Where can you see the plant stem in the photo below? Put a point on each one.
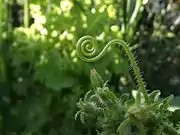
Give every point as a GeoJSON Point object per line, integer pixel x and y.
{"type": "Point", "coordinates": [89, 54]}
{"type": "Point", "coordinates": [26, 13]}
{"type": "Point", "coordinates": [1, 19]}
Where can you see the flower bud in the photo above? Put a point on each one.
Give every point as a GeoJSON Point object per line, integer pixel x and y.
{"type": "Point", "coordinates": [96, 79]}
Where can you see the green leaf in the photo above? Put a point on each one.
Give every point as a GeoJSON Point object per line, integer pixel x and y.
{"type": "Point", "coordinates": [154, 95]}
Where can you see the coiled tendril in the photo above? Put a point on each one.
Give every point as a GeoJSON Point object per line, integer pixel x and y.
{"type": "Point", "coordinates": [87, 48]}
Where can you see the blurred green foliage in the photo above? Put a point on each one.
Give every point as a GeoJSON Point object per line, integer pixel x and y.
{"type": "Point", "coordinates": [41, 77]}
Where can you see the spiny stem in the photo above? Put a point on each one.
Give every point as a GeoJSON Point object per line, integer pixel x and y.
{"type": "Point", "coordinates": [87, 49]}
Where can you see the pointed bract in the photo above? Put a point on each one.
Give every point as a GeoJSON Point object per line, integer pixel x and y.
{"type": "Point", "coordinates": [96, 80]}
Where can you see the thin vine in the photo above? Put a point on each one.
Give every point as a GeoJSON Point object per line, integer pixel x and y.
{"type": "Point", "coordinates": [87, 49]}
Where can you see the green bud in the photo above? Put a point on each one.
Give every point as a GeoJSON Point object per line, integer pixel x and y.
{"type": "Point", "coordinates": [96, 79]}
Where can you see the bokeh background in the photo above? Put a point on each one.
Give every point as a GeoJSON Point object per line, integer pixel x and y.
{"type": "Point", "coordinates": [41, 76]}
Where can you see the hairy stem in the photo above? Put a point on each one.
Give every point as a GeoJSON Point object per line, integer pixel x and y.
{"type": "Point", "coordinates": [87, 48]}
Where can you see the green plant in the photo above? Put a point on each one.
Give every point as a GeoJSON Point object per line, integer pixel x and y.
{"type": "Point", "coordinates": [43, 66]}
{"type": "Point", "coordinates": [45, 78]}
{"type": "Point", "coordinates": [144, 113]}
{"type": "Point", "coordinates": [41, 78]}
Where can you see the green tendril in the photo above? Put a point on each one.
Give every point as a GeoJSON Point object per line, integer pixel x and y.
{"type": "Point", "coordinates": [87, 49]}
